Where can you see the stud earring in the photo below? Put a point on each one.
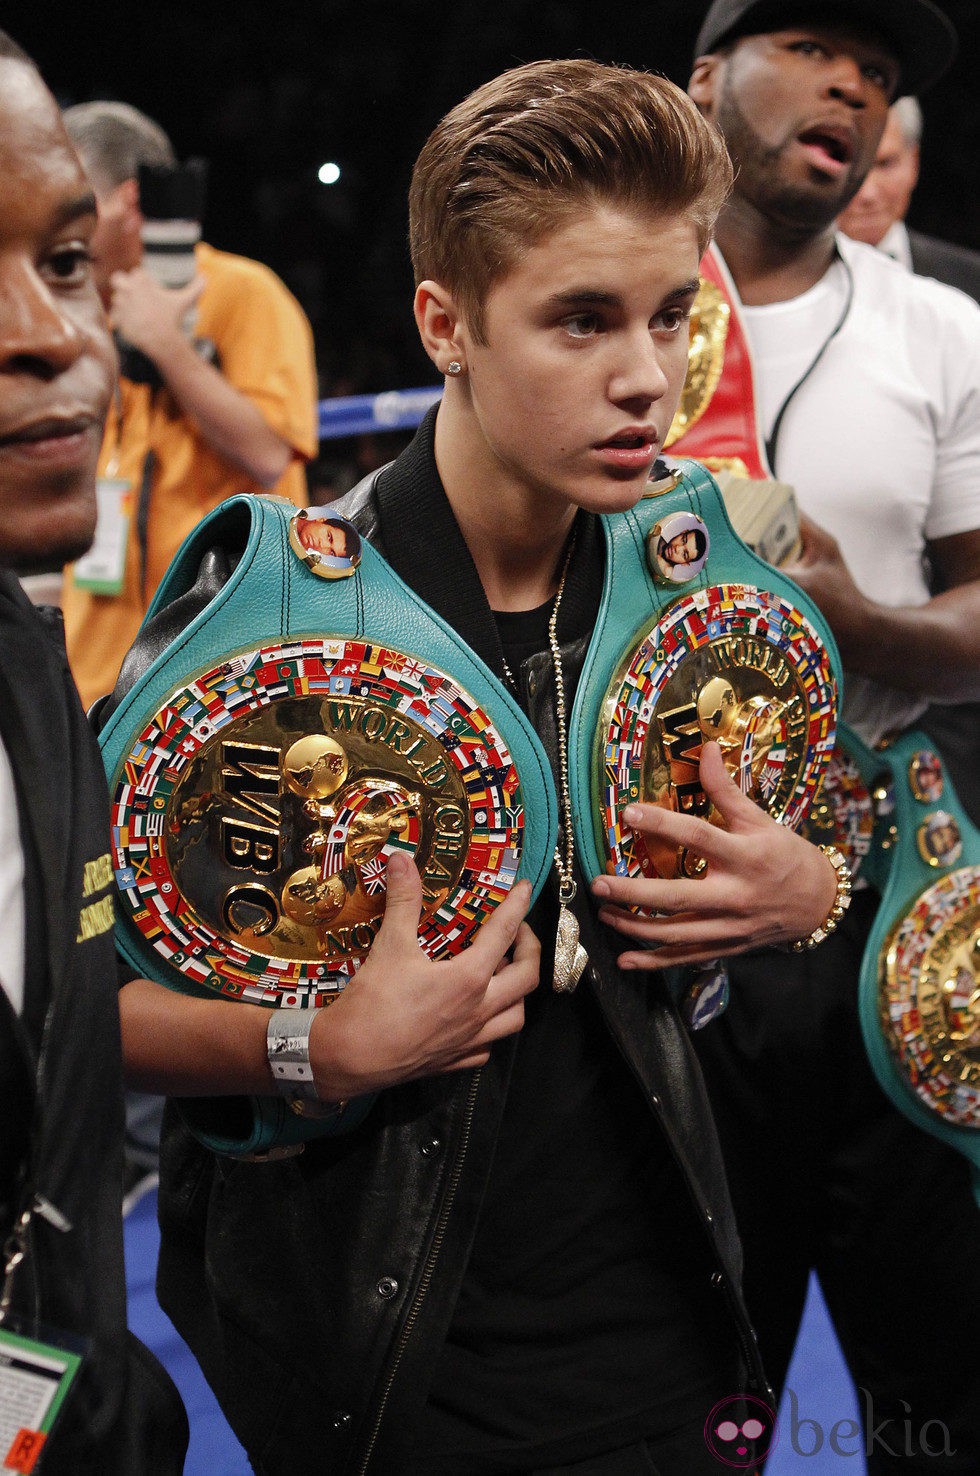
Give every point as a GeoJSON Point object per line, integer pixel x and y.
{"type": "Point", "coordinates": [454, 367]}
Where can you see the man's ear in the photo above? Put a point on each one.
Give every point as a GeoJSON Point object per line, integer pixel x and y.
{"type": "Point", "coordinates": [439, 325]}
{"type": "Point", "coordinates": [124, 204]}
{"type": "Point", "coordinates": [129, 192]}
{"type": "Point", "coordinates": [703, 86]}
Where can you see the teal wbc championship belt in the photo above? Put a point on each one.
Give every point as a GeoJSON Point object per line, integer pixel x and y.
{"type": "Point", "coordinates": [698, 638]}
{"type": "Point", "coordinates": [920, 976]}
{"type": "Point", "coordinates": [311, 718]}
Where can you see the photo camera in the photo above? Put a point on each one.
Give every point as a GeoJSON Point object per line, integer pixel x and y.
{"type": "Point", "coordinates": [172, 206]}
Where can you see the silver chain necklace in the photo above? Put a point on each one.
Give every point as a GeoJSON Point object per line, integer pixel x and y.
{"type": "Point", "coordinates": [570, 957]}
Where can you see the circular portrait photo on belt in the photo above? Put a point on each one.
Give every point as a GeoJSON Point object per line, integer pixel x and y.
{"type": "Point", "coordinates": [731, 663]}
{"type": "Point", "coordinates": [939, 840]}
{"type": "Point", "coordinates": [255, 814]}
{"type": "Point", "coordinates": [329, 546]}
{"type": "Point", "coordinates": [926, 776]}
{"type": "Point", "coordinates": [677, 548]}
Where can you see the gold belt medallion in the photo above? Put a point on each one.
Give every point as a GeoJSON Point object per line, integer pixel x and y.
{"type": "Point", "coordinates": [929, 996]}
{"type": "Point", "coordinates": [254, 816]}
{"type": "Point", "coordinates": [732, 663]}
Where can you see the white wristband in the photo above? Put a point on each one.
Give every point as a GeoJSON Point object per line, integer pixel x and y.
{"type": "Point", "coordinates": [288, 1052]}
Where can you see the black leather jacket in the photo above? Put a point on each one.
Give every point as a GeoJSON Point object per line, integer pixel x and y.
{"type": "Point", "coordinates": [317, 1292]}
{"type": "Point", "coordinates": [61, 1125]}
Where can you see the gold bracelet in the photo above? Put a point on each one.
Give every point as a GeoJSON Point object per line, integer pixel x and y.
{"type": "Point", "coordinates": [842, 902]}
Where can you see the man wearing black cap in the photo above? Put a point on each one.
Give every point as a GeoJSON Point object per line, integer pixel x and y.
{"type": "Point", "coordinates": [864, 386]}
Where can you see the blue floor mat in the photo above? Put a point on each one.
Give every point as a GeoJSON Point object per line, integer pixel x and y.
{"type": "Point", "coordinates": [213, 1450]}
{"type": "Point", "coordinates": [818, 1433]}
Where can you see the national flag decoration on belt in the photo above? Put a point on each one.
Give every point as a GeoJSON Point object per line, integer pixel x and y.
{"type": "Point", "coordinates": [718, 617]}
{"type": "Point", "coordinates": [374, 876]}
{"type": "Point", "coordinates": [920, 1003]}
{"type": "Point", "coordinates": [151, 816]}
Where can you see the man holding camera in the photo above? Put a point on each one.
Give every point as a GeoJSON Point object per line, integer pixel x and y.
{"type": "Point", "coordinates": [218, 386]}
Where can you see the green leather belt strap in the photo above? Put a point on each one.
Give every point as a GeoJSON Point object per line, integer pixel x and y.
{"type": "Point", "coordinates": [639, 718]}
{"type": "Point", "coordinates": [919, 995]}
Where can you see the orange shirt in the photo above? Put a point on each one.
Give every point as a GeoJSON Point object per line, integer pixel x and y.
{"type": "Point", "coordinates": [265, 349]}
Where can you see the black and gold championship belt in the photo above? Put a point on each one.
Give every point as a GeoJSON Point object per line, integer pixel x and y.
{"type": "Point", "coordinates": [291, 723]}
{"type": "Point", "coordinates": [697, 639]}
{"type": "Point", "coordinates": [919, 996]}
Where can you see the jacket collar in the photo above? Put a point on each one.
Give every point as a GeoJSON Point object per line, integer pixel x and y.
{"type": "Point", "coordinates": [423, 543]}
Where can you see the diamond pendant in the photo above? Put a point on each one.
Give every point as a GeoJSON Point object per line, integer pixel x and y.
{"type": "Point", "coordinates": [570, 956]}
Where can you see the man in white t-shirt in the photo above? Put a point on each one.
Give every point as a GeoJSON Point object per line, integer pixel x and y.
{"type": "Point", "coordinates": [867, 392]}
{"type": "Point", "coordinates": [877, 215]}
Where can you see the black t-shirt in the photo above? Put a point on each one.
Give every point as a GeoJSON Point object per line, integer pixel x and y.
{"type": "Point", "coordinates": [586, 1318]}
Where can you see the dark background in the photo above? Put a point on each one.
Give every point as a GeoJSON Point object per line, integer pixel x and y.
{"type": "Point", "coordinates": [269, 91]}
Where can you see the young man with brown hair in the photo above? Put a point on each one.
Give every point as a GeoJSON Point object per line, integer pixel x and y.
{"type": "Point", "coordinates": [524, 1259]}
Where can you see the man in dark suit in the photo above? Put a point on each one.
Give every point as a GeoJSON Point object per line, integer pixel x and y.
{"type": "Point", "coordinates": [877, 215]}
{"type": "Point", "coordinates": [946, 262]}
{"type": "Point", "coordinates": [877, 212]}
{"type": "Point", "coordinates": [63, 1288]}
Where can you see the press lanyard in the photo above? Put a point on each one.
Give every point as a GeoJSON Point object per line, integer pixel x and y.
{"type": "Point", "coordinates": [102, 570]}
{"type": "Point", "coordinates": [38, 1364]}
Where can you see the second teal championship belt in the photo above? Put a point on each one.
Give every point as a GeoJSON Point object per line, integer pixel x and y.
{"type": "Point", "coordinates": [919, 995]}
{"type": "Point", "coordinates": [296, 723]}
{"type": "Point", "coordinates": [698, 639]}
